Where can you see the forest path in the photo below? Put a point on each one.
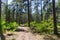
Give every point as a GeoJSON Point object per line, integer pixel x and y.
{"type": "Point", "coordinates": [26, 34]}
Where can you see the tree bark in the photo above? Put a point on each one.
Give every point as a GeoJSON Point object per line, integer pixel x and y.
{"type": "Point", "coordinates": [0, 19]}
{"type": "Point", "coordinates": [28, 15]}
{"type": "Point", "coordinates": [0, 9]}
{"type": "Point", "coordinates": [54, 18]}
{"type": "Point", "coordinates": [1, 32]}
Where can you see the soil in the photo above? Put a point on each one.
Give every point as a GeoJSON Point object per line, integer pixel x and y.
{"type": "Point", "coordinates": [24, 33]}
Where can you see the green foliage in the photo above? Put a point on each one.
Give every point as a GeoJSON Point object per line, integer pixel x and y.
{"type": "Point", "coordinates": [44, 26]}
{"type": "Point", "coordinates": [11, 26]}
{"type": "Point", "coordinates": [26, 25]}
{"type": "Point", "coordinates": [58, 27]}
{"type": "Point", "coordinates": [2, 25]}
{"type": "Point", "coordinates": [8, 26]}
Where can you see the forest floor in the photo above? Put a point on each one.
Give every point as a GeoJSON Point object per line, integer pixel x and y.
{"type": "Point", "coordinates": [24, 33]}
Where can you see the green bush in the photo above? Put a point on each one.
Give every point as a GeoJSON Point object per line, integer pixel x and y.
{"type": "Point", "coordinates": [11, 26]}
{"type": "Point", "coordinates": [26, 25]}
{"type": "Point", "coordinates": [44, 26]}
{"type": "Point", "coordinates": [8, 26]}
{"type": "Point", "coordinates": [32, 25]}
{"type": "Point", "coordinates": [3, 26]}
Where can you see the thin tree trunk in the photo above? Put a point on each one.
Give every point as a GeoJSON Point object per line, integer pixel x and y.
{"type": "Point", "coordinates": [17, 16]}
{"type": "Point", "coordinates": [28, 15]}
{"type": "Point", "coordinates": [41, 11]}
{"type": "Point", "coordinates": [13, 16]}
{"type": "Point", "coordinates": [0, 9]}
{"type": "Point", "coordinates": [54, 18]}
{"type": "Point", "coordinates": [0, 19]}
{"type": "Point", "coordinates": [8, 15]}
{"type": "Point", "coordinates": [6, 11]}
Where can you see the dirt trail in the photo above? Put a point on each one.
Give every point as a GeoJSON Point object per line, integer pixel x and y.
{"type": "Point", "coordinates": [26, 34]}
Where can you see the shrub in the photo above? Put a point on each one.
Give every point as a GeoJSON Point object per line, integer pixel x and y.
{"type": "Point", "coordinates": [11, 26]}
{"type": "Point", "coordinates": [3, 26]}
{"type": "Point", "coordinates": [26, 25]}
{"type": "Point", "coordinates": [44, 26]}
{"type": "Point", "coordinates": [8, 26]}
{"type": "Point", "coordinates": [32, 25]}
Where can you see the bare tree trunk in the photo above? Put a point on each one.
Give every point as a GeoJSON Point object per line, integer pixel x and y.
{"type": "Point", "coordinates": [28, 15]}
{"type": "Point", "coordinates": [0, 9]}
{"type": "Point", "coordinates": [41, 11]}
{"type": "Point", "coordinates": [8, 15]}
{"type": "Point", "coordinates": [6, 10]}
{"type": "Point", "coordinates": [0, 19]}
{"type": "Point", "coordinates": [54, 18]}
{"type": "Point", "coordinates": [13, 16]}
{"type": "Point", "coordinates": [17, 16]}
{"type": "Point", "coordinates": [1, 32]}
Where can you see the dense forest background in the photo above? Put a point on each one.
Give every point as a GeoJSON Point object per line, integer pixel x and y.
{"type": "Point", "coordinates": [41, 16]}
{"type": "Point", "coordinates": [38, 14]}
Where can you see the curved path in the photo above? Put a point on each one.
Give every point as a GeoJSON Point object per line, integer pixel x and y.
{"type": "Point", "coordinates": [25, 34]}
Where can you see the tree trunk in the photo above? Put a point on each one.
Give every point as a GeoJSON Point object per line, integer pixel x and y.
{"type": "Point", "coordinates": [1, 32]}
{"type": "Point", "coordinates": [28, 15]}
{"type": "Point", "coordinates": [17, 15]}
{"type": "Point", "coordinates": [54, 18]}
{"type": "Point", "coordinates": [0, 19]}
{"type": "Point", "coordinates": [6, 8]}
{"type": "Point", "coordinates": [13, 15]}
{"type": "Point", "coordinates": [8, 15]}
{"type": "Point", "coordinates": [0, 9]}
{"type": "Point", "coordinates": [41, 11]}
